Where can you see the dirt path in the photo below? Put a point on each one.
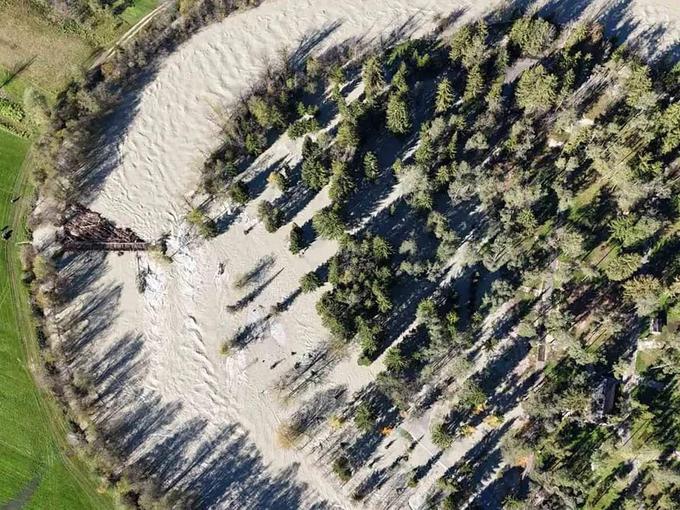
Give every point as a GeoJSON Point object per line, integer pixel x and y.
{"type": "Point", "coordinates": [106, 54]}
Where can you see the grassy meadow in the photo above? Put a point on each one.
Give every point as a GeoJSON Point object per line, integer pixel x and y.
{"type": "Point", "coordinates": [38, 58]}
{"type": "Point", "coordinates": [37, 469]}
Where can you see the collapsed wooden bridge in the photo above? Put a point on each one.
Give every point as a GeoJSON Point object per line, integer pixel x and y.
{"type": "Point", "coordinates": [86, 230]}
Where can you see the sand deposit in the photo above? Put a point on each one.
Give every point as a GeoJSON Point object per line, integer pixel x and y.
{"type": "Point", "coordinates": [209, 421]}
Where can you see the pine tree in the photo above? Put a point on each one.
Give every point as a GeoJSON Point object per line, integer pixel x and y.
{"type": "Point", "coordinates": [348, 135]}
{"type": "Point", "coordinates": [309, 282]}
{"type": "Point", "coordinates": [398, 115]}
{"type": "Point", "coordinates": [372, 75]}
{"type": "Point", "coordinates": [371, 166]}
{"type": "Point", "coordinates": [473, 84]}
{"type": "Point", "coordinates": [533, 36]}
{"type": "Point", "coordinates": [328, 224]}
{"type": "Point", "coordinates": [341, 182]}
{"type": "Point", "coordinates": [445, 98]}
{"type": "Point", "coordinates": [238, 193]}
{"type": "Point", "coordinates": [269, 215]}
{"type": "Point", "coordinates": [296, 239]}
{"type": "Point", "coordinates": [670, 127]}
{"type": "Point", "coordinates": [399, 80]}
{"type": "Point", "coordinates": [536, 89]}
{"type": "Point", "coordinates": [425, 151]}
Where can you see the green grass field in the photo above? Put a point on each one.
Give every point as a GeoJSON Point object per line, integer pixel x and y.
{"type": "Point", "coordinates": [46, 55]}
{"type": "Point", "coordinates": [137, 11]}
{"type": "Point", "coordinates": [37, 468]}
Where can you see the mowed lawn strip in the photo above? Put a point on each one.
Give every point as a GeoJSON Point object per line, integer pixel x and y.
{"type": "Point", "coordinates": [36, 469]}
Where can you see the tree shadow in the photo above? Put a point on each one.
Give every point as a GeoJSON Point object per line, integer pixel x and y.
{"type": "Point", "coordinates": [295, 198]}
{"type": "Point", "coordinates": [90, 320]}
{"type": "Point", "coordinates": [259, 271]}
{"type": "Point", "coordinates": [286, 302]}
{"type": "Point", "coordinates": [478, 462]}
{"type": "Point", "coordinates": [310, 42]}
{"type": "Point", "coordinates": [314, 370]}
{"type": "Point", "coordinates": [253, 294]}
{"type": "Point", "coordinates": [17, 70]}
{"type": "Point", "coordinates": [249, 333]}
{"type": "Point", "coordinates": [79, 271]}
{"type": "Point", "coordinates": [510, 482]}
{"type": "Point", "coordinates": [101, 157]}
{"type": "Point", "coordinates": [121, 365]}
{"type": "Point", "coordinates": [386, 415]}
{"type": "Point", "coordinates": [314, 412]}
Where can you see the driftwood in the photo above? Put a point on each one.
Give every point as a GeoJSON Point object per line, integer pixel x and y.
{"type": "Point", "coordinates": [86, 230]}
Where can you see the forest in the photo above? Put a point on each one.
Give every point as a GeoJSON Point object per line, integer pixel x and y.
{"type": "Point", "coordinates": [543, 160]}
{"type": "Point", "coordinates": [527, 178]}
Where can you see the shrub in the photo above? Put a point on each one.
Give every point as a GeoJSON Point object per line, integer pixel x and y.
{"type": "Point", "coordinates": [287, 435]}
{"type": "Point", "coordinates": [296, 239]}
{"type": "Point", "coordinates": [43, 268]}
{"type": "Point", "coordinates": [269, 215]}
{"type": "Point", "coordinates": [342, 468]}
{"type": "Point", "coordinates": [309, 282]}
{"type": "Point", "coordinates": [207, 227]}
{"type": "Point", "coordinates": [364, 417]}
{"type": "Point", "coordinates": [36, 107]}
{"type": "Point", "coordinates": [238, 193]}
{"type": "Point", "coordinates": [225, 348]}
{"type": "Point", "coordinates": [278, 180]}
{"type": "Point", "coordinates": [11, 110]}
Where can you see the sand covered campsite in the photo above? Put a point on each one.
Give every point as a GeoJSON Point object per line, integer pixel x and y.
{"type": "Point", "coordinates": [200, 359]}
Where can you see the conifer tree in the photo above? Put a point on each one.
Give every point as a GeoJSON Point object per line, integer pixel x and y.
{"type": "Point", "coordinates": [444, 99]}
{"type": "Point", "coordinates": [398, 115]}
{"type": "Point", "coordinates": [399, 81]}
{"type": "Point", "coordinates": [372, 75]}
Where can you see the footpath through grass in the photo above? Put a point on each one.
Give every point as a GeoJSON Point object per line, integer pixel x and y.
{"type": "Point", "coordinates": [37, 467]}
